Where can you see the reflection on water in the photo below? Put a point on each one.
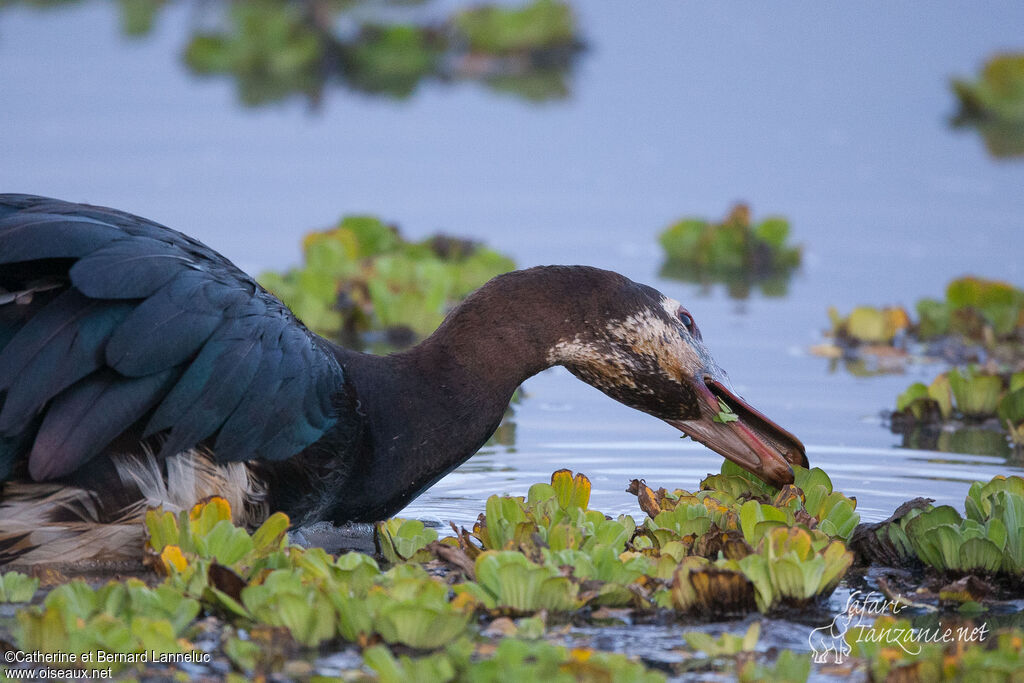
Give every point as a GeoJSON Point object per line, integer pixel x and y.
{"type": "Point", "coordinates": [975, 440]}
{"type": "Point", "coordinates": [1003, 139]}
{"type": "Point", "coordinates": [994, 105]}
{"type": "Point", "coordinates": [738, 284]}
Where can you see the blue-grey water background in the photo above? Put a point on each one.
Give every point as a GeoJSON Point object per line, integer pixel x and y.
{"type": "Point", "coordinates": [834, 115]}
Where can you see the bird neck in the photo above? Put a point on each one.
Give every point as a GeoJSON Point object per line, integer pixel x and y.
{"type": "Point", "coordinates": [427, 410]}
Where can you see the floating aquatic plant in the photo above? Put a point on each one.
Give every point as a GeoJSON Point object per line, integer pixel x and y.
{"type": "Point", "coordinates": [506, 579]}
{"type": "Point", "coordinates": [986, 542]}
{"type": "Point", "coordinates": [619, 573]}
{"type": "Point", "coordinates": [975, 309]}
{"type": "Point", "coordinates": [788, 666]}
{"type": "Point", "coordinates": [441, 666]}
{"type": "Point", "coordinates": [999, 93]}
{"type": "Point", "coordinates": [710, 588]}
{"type": "Point", "coordinates": [868, 325]}
{"type": "Point", "coordinates": [207, 532]}
{"type": "Point", "coordinates": [972, 394]}
{"type": "Point", "coordinates": [270, 49]}
{"type": "Point", "coordinates": [978, 320]}
{"type": "Point", "coordinates": [735, 251]}
{"type": "Point", "coordinates": [275, 49]}
{"type": "Point", "coordinates": [391, 59]}
{"type": "Point", "coordinates": [556, 514]}
{"type": "Point", "coordinates": [419, 614]}
{"type": "Point", "coordinates": [512, 660]}
{"type": "Point", "coordinates": [554, 529]}
{"type": "Point", "coordinates": [283, 598]}
{"type": "Point", "coordinates": [736, 499]}
{"type": "Point", "coordinates": [496, 30]}
{"type": "Point", "coordinates": [404, 540]}
{"type": "Point", "coordinates": [794, 567]}
{"type": "Point", "coordinates": [899, 650]}
{"type": "Point", "coordinates": [17, 587]}
{"type": "Point", "coordinates": [125, 618]}
{"type": "Point", "coordinates": [739, 542]}
{"type": "Point", "coordinates": [732, 547]}
{"type": "Point", "coordinates": [363, 276]}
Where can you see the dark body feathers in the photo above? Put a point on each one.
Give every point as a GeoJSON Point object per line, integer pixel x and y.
{"type": "Point", "coordinates": [125, 327]}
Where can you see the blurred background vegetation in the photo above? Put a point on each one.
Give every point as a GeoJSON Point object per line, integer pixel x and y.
{"type": "Point", "coordinates": [275, 49]}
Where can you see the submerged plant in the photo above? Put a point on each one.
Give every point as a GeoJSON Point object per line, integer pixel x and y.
{"type": "Point", "coordinates": [727, 644]}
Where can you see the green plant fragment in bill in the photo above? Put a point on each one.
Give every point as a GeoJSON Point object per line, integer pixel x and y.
{"type": "Point", "coordinates": [725, 414]}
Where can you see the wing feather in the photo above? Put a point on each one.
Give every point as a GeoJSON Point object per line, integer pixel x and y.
{"type": "Point", "coordinates": [57, 347]}
{"type": "Point", "coordinates": [128, 269]}
{"type": "Point", "coordinates": [166, 329]}
{"type": "Point", "coordinates": [154, 332]}
{"type": "Point", "coordinates": [88, 416]}
{"type": "Point", "coordinates": [210, 390]}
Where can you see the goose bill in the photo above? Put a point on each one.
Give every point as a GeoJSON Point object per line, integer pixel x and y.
{"type": "Point", "coordinates": [752, 441]}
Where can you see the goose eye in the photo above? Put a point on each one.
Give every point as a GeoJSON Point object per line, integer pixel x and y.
{"type": "Point", "coordinates": [687, 320]}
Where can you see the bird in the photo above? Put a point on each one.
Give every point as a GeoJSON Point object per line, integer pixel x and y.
{"type": "Point", "coordinates": [140, 368]}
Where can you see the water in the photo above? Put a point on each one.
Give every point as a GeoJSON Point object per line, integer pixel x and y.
{"type": "Point", "coordinates": [835, 116]}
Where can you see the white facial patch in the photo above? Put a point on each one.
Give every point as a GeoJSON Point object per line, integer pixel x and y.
{"type": "Point", "coordinates": [623, 351]}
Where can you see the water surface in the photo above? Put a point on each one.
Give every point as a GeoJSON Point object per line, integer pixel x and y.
{"type": "Point", "coordinates": [835, 116]}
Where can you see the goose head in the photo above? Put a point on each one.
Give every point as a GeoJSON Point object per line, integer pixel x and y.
{"type": "Point", "coordinates": [647, 352]}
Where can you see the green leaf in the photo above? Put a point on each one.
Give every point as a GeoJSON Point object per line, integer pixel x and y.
{"type": "Point", "coordinates": [774, 231]}
{"type": "Point", "coordinates": [1011, 407]}
{"type": "Point", "coordinates": [976, 395]}
{"type": "Point", "coordinates": [17, 587]}
{"type": "Point", "coordinates": [725, 413]}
